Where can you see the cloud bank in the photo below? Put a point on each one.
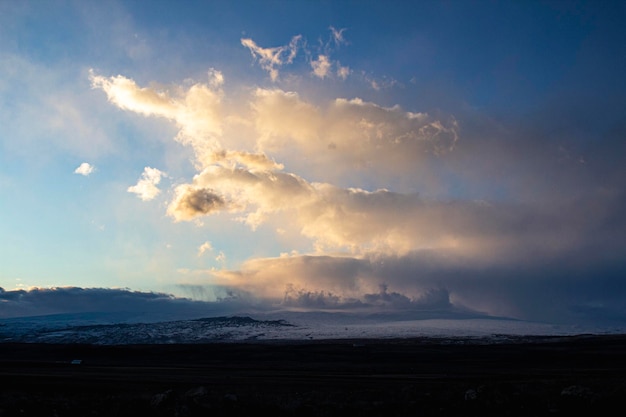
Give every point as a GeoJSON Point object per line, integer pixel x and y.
{"type": "Point", "coordinates": [64, 300]}
{"type": "Point", "coordinates": [519, 221]}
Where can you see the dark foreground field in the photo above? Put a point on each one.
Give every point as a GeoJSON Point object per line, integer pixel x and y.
{"type": "Point", "coordinates": [417, 377]}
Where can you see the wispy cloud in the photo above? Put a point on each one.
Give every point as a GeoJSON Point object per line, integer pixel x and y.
{"type": "Point", "coordinates": [271, 59]}
{"type": "Point", "coordinates": [343, 72]}
{"type": "Point", "coordinates": [379, 83]}
{"type": "Point", "coordinates": [337, 36]}
{"type": "Point", "coordinates": [321, 66]}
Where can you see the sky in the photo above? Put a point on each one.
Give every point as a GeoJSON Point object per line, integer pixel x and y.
{"type": "Point", "coordinates": [353, 156]}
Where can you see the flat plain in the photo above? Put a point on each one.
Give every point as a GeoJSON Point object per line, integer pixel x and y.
{"type": "Point", "coordinates": [540, 376]}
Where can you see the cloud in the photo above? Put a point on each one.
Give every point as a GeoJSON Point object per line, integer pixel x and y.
{"type": "Point", "coordinates": [191, 202]}
{"type": "Point", "coordinates": [380, 83]}
{"type": "Point", "coordinates": [253, 161]}
{"type": "Point", "coordinates": [350, 134]}
{"type": "Point", "coordinates": [124, 93]}
{"type": "Point", "coordinates": [271, 59]}
{"type": "Point", "coordinates": [364, 136]}
{"type": "Point", "coordinates": [146, 188]}
{"type": "Point", "coordinates": [338, 138]}
{"type": "Point", "coordinates": [84, 169]}
{"type": "Point", "coordinates": [337, 36]}
{"type": "Point", "coordinates": [321, 66]}
{"type": "Point", "coordinates": [195, 110]}
{"type": "Point", "coordinates": [221, 257]}
{"type": "Point", "coordinates": [343, 72]}
{"type": "Point", "coordinates": [205, 247]}
{"type": "Point", "coordinates": [148, 305]}
{"type": "Point", "coordinates": [216, 78]}
{"type": "Point", "coordinates": [383, 300]}
{"type": "Point", "coordinates": [456, 250]}
{"type": "Point", "coordinates": [554, 290]}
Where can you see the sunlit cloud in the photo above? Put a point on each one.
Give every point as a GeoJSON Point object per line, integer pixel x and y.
{"type": "Point", "coordinates": [321, 66]}
{"type": "Point", "coordinates": [350, 134]}
{"type": "Point", "coordinates": [379, 84]}
{"type": "Point", "coordinates": [146, 188]}
{"type": "Point", "coordinates": [343, 72]}
{"type": "Point", "coordinates": [346, 134]}
{"type": "Point", "coordinates": [221, 257]}
{"type": "Point", "coordinates": [359, 221]}
{"type": "Point", "coordinates": [205, 248]}
{"type": "Point", "coordinates": [331, 282]}
{"type": "Point", "coordinates": [195, 110]}
{"type": "Point", "coordinates": [84, 169]}
{"type": "Point", "coordinates": [278, 160]}
{"type": "Point", "coordinates": [271, 59]}
{"type": "Point", "coordinates": [370, 166]}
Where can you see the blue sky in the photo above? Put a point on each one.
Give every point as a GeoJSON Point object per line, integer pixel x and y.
{"type": "Point", "coordinates": [465, 155]}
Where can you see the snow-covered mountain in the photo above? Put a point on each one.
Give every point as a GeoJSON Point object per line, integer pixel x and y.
{"type": "Point", "coordinates": [73, 330]}
{"type": "Point", "coordinates": [106, 329]}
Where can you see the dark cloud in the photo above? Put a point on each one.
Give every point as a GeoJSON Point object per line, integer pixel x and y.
{"type": "Point", "coordinates": [314, 299]}
{"type": "Point", "coordinates": [192, 202]}
{"type": "Point", "coordinates": [46, 301]}
{"type": "Point", "coordinates": [566, 149]}
{"type": "Point", "coordinates": [201, 201]}
{"type": "Point", "coordinates": [384, 300]}
{"type": "Point", "coordinates": [572, 288]}
{"type": "Point", "coordinates": [582, 286]}
{"type": "Point", "coordinates": [432, 299]}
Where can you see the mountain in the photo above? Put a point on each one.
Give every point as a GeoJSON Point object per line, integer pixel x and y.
{"type": "Point", "coordinates": [120, 329]}
{"type": "Point", "coordinates": [204, 330]}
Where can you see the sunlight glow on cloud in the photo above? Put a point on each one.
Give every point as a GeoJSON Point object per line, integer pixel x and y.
{"type": "Point", "coordinates": [84, 169]}
{"type": "Point", "coordinates": [257, 190]}
{"type": "Point", "coordinates": [318, 157]}
{"type": "Point", "coordinates": [205, 247]}
{"type": "Point", "coordinates": [346, 134]}
{"type": "Point", "coordinates": [196, 110]}
{"type": "Point", "coordinates": [350, 134]}
{"type": "Point", "coordinates": [321, 66]}
{"type": "Point", "coordinates": [146, 188]}
{"type": "Point", "coordinates": [343, 72]}
{"type": "Point", "coordinates": [360, 239]}
{"type": "Point", "coordinates": [281, 162]}
{"type": "Point", "coordinates": [271, 59]}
